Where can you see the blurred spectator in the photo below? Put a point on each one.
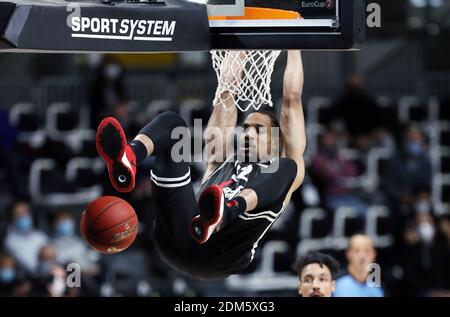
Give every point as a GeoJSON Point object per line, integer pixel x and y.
{"type": "Point", "coordinates": [11, 281]}
{"type": "Point", "coordinates": [49, 278]}
{"type": "Point", "coordinates": [8, 132]}
{"type": "Point", "coordinates": [316, 273]}
{"type": "Point", "coordinates": [422, 202]}
{"type": "Point", "coordinates": [444, 227]}
{"type": "Point", "coordinates": [383, 138]}
{"type": "Point", "coordinates": [122, 112]}
{"type": "Point", "coordinates": [425, 257]}
{"type": "Point", "coordinates": [22, 241]}
{"type": "Point", "coordinates": [329, 171]}
{"type": "Point", "coordinates": [107, 89]}
{"type": "Point", "coordinates": [8, 155]}
{"type": "Point", "coordinates": [359, 110]}
{"type": "Point", "coordinates": [70, 248]}
{"type": "Point", "coordinates": [360, 253]}
{"type": "Point", "coordinates": [409, 170]}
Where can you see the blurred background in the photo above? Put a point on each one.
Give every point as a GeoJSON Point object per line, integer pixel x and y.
{"type": "Point", "coordinates": [378, 126]}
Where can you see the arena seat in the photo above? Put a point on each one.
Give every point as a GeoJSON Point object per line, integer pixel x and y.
{"type": "Point", "coordinates": [372, 226]}
{"type": "Point", "coordinates": [188, 108]}
{"type": "Point", "coordinates": [55, 199]}
{"type": "Point", "coordinates": [307, 245]}
{"type": "Point", "coordinates": [60, 119]}
{"type": "Point", "coordinates": [410, 109]}
{"type": "Point", "coordinates": [314, 106]}
{"type": "Point", "coordinates": [313, 132]}
{"type": "Point", "coordinates": [343, 217]}
{"type": "Point", "coordinates": [265, 278]}
{"type": "Point", "coordinates": [433, 105]}
{"type": "Point", "coordinates": [440, 192]}
{"type": "Point", "coordinates": [26, 117]}
{"type": "Point", "coordinates": [308, 218]}
{"type": "Point", "coordinates": [374, 158]}
{"type": "Point", "coordinates": [84, 171]}
{"type": "Point", "coordinates": [444, 136]}
{"type": "Point", "coordinates": [359, 181]}
{"type": "Point", "coordinates": [155, 107]}
{"type": "Point", "coordinates": [143, 89]}
{"type": "Point", "coordinates": [125, 270]}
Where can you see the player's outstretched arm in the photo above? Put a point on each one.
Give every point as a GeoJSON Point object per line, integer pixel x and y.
{"type": "Point", "coordinates": [223, 120]}
{"type": "Point", "coordinates": [291, 118]}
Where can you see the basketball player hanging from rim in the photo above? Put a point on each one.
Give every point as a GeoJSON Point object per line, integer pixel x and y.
{"type": "Point", "coordinates": [239, 201]}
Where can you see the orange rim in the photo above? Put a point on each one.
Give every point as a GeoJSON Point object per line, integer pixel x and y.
{"type": "Point", "coordinates": [253, 13]}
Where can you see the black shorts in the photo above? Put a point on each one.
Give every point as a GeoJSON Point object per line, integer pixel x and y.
{"type": "Point", "coordinates": [176, 206]}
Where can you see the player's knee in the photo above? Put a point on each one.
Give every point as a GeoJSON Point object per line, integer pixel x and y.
{"type": "Point", "coordinates": [172, 119]}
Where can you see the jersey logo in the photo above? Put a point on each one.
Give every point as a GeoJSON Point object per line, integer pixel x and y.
{"type": "Point", "coordinates": [242, 176]}
{"type": "Point", "coordinates": [231, 193]}
{"type": "Point", "coordinates": [242, 172]}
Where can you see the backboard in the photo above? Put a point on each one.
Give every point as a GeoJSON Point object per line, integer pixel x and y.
{"type": "Point", "coordinates": [281, 24]}
{"type": "Point", "coordinates": [179, 25]}
{"type": "Point", "coordinates": [272, 13]}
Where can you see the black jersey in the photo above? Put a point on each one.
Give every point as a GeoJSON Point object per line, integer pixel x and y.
{"type": "Point", "coordinates": [239, 239]}
{"type": "Point", "coordinates": [233, 247]}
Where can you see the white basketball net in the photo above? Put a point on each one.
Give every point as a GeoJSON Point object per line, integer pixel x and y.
{"type": "Point", "coordinates": [244, 78]}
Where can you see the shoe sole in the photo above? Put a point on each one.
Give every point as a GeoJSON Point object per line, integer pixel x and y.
{"type": "Point", "coordinates": [210, 215]}
{"type": "Point", "coordinates": [111, 146]}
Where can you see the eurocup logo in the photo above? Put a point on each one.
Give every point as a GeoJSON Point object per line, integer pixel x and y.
{"type": "Point", "coordinates": [329, 4]}
{"type": "Point", "coordinates": [319, 4]}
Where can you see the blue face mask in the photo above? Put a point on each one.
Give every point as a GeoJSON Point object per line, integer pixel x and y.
{"type": "Point", "coordinates": [24, 223]}
{"type": "Point", "coordinates": [414, 148]}
{"type": "Point", "coordinates": [7, 274]}
{"type": "Point", "coordinates": [65, 228]}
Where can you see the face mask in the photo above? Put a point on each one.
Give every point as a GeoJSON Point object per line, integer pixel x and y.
{"type": "Point", "coordinates": [426, 232]}
{"type": "Point", "coordinates": [7, 275]}
{"type": "Point", "coordinates": [65, 228]}
{"type": "Point", "coordinates": [414, 148]}
{"type": "Point", "coordinates": [24, 223]}
{"type": "Point", "coordinates": [423, 207]}
{"type": "Point", "coordinates": [44, 267]}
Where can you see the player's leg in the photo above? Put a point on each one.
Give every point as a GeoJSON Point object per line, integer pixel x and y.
{"type": "Point", "coordinates": [175, 201]}
{"type": "Point", "coordinates": [264, 190]}
{"type": "Point", "coordinates": [121, 158]}
{"type": "Point", "coordinates": [174, 194]}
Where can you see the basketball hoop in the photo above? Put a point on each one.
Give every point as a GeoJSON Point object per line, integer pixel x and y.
{"type": "Point", "coordinates": [246, 75]}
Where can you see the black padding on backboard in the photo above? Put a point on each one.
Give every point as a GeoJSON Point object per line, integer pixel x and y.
{"type": "Point", "coordinates": [43, 25]}
{"type": "Point", "coordinates": [6, 9]}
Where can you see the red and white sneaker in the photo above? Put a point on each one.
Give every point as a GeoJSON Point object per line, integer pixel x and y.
{"type": "Point", "coordinates": [211, 204]}
{"type": "Point", "coordinates": [111, 144]}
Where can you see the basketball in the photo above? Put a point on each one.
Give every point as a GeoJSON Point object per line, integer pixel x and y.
{"type": "Point", "coordinates": [109, 224]}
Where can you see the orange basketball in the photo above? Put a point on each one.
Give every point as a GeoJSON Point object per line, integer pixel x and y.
{"type": "Point", "coordinates": [109, 224]}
